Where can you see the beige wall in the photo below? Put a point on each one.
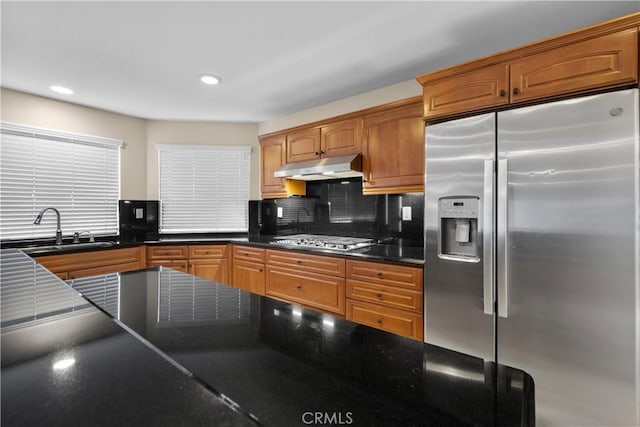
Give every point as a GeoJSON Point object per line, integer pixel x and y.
{"type": "Point", "coordinates": [200, 133]}
{"type": "Point", "coordinates": [384, 95]}
{"type": "Point", "coordinates": [25, 109]}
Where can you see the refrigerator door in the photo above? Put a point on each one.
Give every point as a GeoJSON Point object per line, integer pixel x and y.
{"type": "Point", "coordinates": [567, 261]}
{"type": "Point", "coordinates": [458, 289]}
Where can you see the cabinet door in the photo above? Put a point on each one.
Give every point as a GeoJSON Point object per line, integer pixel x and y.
{"type": "Point", "coordinates": [249, 276]}
{"type": "Point", "coordinates": [272, 156]}
{"type": "Point", "coordinates": [341, 138]}
{"type": "Point", "coordinates": [105, 269]}
{"type": "Point", "coordinates": [393, 155]}
{"type": "Point", "coordinates": [600, 62]}
{"type": "Point", "coordinates": [303, 145]}
{"type": "Point", "coordinates": [470, 91]}
{"type": "Point", "coordinates": [179, 264]}
{"type": "Point", "coordinates": [315, 290]}
{"type": "Point", "coordinates": [216, 270]}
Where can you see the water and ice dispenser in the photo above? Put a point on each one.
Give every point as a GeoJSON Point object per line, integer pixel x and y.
{"type": "Point", "coordinates": [458, 233]}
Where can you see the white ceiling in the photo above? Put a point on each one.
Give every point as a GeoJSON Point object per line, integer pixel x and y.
{"type": "Point", "coordinates": [275, 58]}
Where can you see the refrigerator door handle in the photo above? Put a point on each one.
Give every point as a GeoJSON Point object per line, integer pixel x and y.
{"type": "Point", "coordinates": [503, 284]}
{"type": "Point", "coordinates": [487, 237]}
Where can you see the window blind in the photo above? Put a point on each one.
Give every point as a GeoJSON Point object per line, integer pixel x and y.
{"type": "Point", "coordinates": [77, 174]}
{"type": "Point", "coordinates": [203, 188]}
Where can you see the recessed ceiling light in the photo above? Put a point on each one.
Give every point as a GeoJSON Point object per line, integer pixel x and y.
{"type": "Point", "coordinates": [61, 89]}
{"type": "Point", "coordinates": [209, 79]}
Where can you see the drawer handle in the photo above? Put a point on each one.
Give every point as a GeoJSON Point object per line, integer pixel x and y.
{"type": "Point", "coordinates": [379, 296]}
{"type": "Point", "coordinates": [379, 321]}
{"type": "Point", "coordinates": [246, 254]}
{"type": "Point", "coordinates": [299, 287]}
{"type": "Point", "coordinates": [379, 274]}
{"type": "Point", "coordinates": [299, 261]}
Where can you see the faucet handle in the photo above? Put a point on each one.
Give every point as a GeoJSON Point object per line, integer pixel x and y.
{"type": "Point", "coordinates": [76, 236]}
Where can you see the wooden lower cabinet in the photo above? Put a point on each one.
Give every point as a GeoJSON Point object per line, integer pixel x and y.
{"type": "Point", "coordinates": [216, 270]}
{"type": "Point", "coordinates": [320, 291]}
{"type": "Point", "coordinates": [388, 319]}
{"type": "Point", "coordinates": [91, 263]}
{"type": "Point", "coordinates": [385, 296]}
{"type": "Point", "coordinates": [249, 276]}
{"type": "Point", "coordinates": [206, 261]}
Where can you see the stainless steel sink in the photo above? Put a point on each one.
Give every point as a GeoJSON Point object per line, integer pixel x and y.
{"type": "Point", "coordinates": [67, 247]}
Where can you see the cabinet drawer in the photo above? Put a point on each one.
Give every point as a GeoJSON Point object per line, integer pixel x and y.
{"type": "Point", "coordinates": [388, 319]}
{"type": "Point", "coordinates": [181, 265]}
{"type": "Point", "coordinates": [247, 253]}
{"type": "Point", "coordinates": [393, 297]}
{"type": "Point", "coordinates": [207, 251]}
{"type": "Point", "coordinates": [249, 276]}
{"type": "Point", "coordinates": [304, 262]}
{"type": "Point", "coordinates": [385, 274]}
{"type": "Point", "coordinates": [167, 252]}
{"type": "Point", "coordinates": [315, 290]}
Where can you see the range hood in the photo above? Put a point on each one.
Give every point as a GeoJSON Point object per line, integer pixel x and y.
{"type": "Point", "coordinates": [322, 169]}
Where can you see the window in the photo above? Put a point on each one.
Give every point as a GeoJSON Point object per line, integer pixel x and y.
{"type": "Point", "coordinates": [203, 188]}
{"type": "Point", "coordinates": [77, 174]}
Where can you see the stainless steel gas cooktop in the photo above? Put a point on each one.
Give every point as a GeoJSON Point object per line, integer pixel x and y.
{"type": "Point", "coordinates": [323, 242]}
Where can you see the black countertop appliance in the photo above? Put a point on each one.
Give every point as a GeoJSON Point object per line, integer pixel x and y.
{"type": "Point", "coordinates": [139, 220]}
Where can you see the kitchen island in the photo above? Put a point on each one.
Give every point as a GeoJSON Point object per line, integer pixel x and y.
{"type": "Point", "coordinates": [161, 347]}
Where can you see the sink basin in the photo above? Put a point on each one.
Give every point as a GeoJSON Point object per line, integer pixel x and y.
{"type": "Point", "coordinates": [67, 247]}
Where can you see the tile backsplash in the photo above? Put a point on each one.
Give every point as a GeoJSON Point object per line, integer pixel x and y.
{"type": "Point", "coordinates": [337, 207]}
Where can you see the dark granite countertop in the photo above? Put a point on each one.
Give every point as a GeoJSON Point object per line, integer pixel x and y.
{"type": "Point", "coordinates": [399, 253]}
{"type": "Point", "coordinates": [200, 352]}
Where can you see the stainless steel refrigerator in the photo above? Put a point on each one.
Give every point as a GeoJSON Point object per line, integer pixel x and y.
{"type": "Point", "coordinates": [532, 250]}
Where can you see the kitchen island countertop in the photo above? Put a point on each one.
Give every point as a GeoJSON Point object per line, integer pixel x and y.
{"type": "Point", "coordinates": [160, 347]}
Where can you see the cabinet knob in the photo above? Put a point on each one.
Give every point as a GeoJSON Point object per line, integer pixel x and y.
{"type": "Point", "coordinates": [502, 92]}
{"type": "Point", "coordinates": [379, 274]}
{"type": "Point", "coordinates": [260, 270]}
{"type": "Point", "coordinates": [321, 152]}
{"type": "Point", "coordinates": [379, 321]}
{"type": "Point", "coordinates": [516, 91]}
{"type": "Point", "coordinates": [298, 287]}
{"type": "Point", "coordinates": [379, 296]}
{"type": "Point", "coordinates": [299, 261]}
{"type": "Point", "coordinates": [317, 153]}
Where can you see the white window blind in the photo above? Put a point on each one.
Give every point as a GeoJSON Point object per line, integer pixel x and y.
{"type": "Point", "coordinates": [203, 188]}
{"type": "Point", "coordinates": [77, 174]}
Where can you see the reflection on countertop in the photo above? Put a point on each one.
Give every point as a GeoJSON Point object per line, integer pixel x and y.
{"type": "Point", "coordinates": [237, 358]}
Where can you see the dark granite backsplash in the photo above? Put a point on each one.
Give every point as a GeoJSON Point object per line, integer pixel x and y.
{"type": "Point", "coordinates": [337, 207]}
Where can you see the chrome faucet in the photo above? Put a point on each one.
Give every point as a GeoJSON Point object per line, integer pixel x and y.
{"type": "Point", "coordinates": [58, 230]}
{"type": "Point", "coordinates": [77, 234]}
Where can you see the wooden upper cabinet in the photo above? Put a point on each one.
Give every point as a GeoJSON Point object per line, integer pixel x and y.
{"type": "Point", "coordinates": [393, 151]}
{"type": "Point", "coordinates": [272, 156]}
{"type": "Point", "coordinates": [341, 138]}
{"type": "Point", "coordinates": [303, 145]}
{"type": "Point", "coordinates": [600, 57]}
{"type": "Point", "coordinates": [477, 89]}
{"type": "Point", "coordinates": [596, 63]}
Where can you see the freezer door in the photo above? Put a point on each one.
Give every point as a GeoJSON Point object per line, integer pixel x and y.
{"type": "Point", "coordinates": [458, 290]}
{"type": "Point", "coordinates": [568, 256]}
